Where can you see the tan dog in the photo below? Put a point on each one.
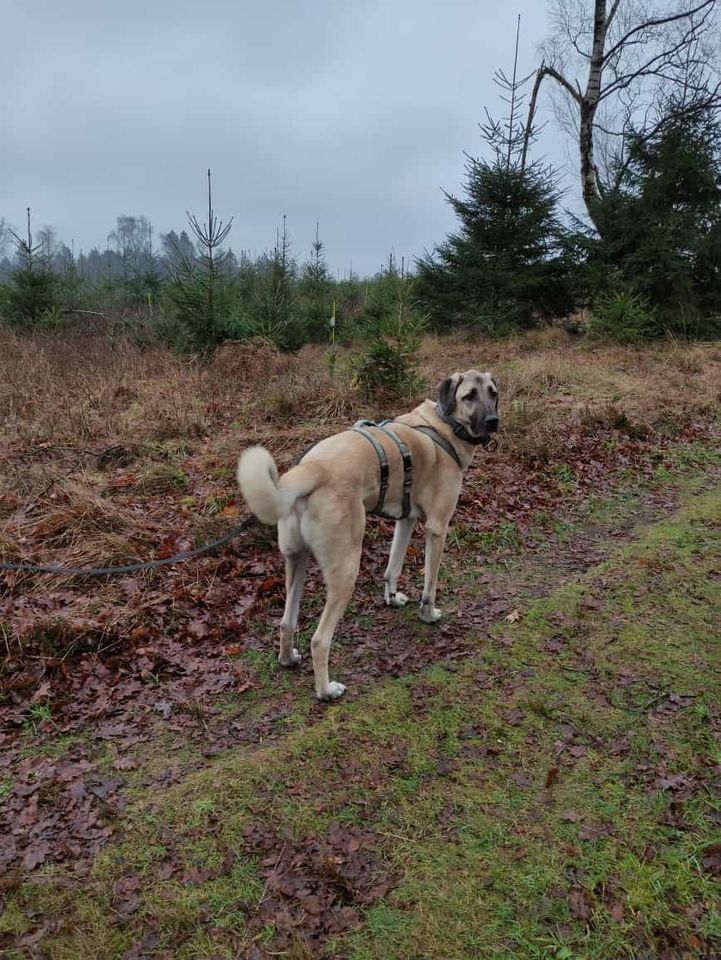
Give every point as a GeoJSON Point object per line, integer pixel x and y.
{"type": "Point", "coordinates": [320, 504]}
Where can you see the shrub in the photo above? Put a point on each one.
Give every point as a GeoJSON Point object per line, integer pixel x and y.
{"type": "Point", "coordinates": [661, 231]}
{"type": "Point", "coordinates": [396, 330]}
{"type": "Point", "coordinates": [623, 316]}
{"type": "Point", "coordinates": [29, 296]}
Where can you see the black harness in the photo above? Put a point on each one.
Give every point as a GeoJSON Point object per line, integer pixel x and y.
{"type": "Point", "coordinates": [363, 426]}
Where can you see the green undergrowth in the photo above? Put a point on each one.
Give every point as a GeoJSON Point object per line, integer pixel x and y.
{"type": "Point", "coordinates": [551, 797]}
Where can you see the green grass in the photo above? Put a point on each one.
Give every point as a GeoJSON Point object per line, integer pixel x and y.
{"type": "Point", "coordinates": [495, 855]}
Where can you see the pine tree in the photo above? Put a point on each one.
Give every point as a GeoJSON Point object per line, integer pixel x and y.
{"type": "Point", "coordinates": [269, 307]}
{"type": "Point", "coordinates": [661, 236]}
{"type": "Point", "coordinates": [315, 288]}
{"type": "Point", "coordinates": [201, 293]}
{"type": "Point", "coordinates": [395, 328]}
{"type": "Point", "coordinates": [508, 263]}
{"type": "Point", "coordinates": [31, 295]}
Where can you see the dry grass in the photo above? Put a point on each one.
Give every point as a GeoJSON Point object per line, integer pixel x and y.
{"type": "Point", "coordinates": [76, 510]}
{"type": "Point", "coordinates": [99, 439]}
{"type": "Point", "coordinates": [87, 392]}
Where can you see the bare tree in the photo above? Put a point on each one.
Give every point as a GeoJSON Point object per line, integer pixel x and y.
{"type": "Point", "coordinates": [616, 67]}
{"type": "Point", "coordinates": [27, 251]}
{"type": "Point", "coordinates": [47, 239]}
{"type": "Point", "coordinates": [5, 236]}
{"type": "Point", "coordinates": [132, 239]}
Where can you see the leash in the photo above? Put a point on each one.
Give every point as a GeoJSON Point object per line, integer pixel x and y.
{"type": "Point", "coordinates": [132, 567]}
{"type": "Point", "coordinates": [360, 427]}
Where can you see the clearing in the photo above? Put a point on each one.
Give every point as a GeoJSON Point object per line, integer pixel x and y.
{"type": "Point", "coordinates": [537, 776]}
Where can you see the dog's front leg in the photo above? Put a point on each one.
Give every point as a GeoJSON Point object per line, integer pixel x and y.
{"type": "Point", "coordinates": [435, 541]}
{"type": "Point", "coordinates": [401, 539]}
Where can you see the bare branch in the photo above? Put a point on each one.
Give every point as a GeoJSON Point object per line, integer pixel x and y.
{"type": "Point", "coordinates": [612, 14]}
{"type": "Point", "coordinates": [559, 78]}
{"type": "Point", "coordinates": [658, 22]}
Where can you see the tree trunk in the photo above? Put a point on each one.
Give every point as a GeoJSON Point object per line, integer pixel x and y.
{"type": "Point", "coordinates": [589, 105]}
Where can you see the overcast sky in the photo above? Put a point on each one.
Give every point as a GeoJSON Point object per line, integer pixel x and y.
{"type": "Point", "coordinates": [352, 114]}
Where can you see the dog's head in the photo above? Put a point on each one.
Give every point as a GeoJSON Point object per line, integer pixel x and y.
{"type": "Point", "coordinates": [471, 399]}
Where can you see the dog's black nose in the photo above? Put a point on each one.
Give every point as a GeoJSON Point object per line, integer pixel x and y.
{"type": "Point", "coordinates": [492, 422]}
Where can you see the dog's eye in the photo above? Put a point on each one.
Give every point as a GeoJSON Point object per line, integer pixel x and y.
{"type": "Point", "coordinates": [472, 395]}
{"type": "Point", "coordinates": [493, 393]}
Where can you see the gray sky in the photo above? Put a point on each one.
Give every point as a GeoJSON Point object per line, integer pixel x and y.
{"type": "Point", "coordinates": [352, 114]}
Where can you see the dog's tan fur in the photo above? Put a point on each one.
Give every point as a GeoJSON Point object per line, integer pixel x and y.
{"type": "Point", "coordinates": [320, 507]}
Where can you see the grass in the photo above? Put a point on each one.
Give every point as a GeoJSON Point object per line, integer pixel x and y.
{"type": "Point", "coordinates": [490, 854]}
{"type": "Point", "coordinates": [494, 855]}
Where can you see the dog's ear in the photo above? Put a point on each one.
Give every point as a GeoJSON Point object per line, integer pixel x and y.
{"type": "Point", "coordinates": [447, 393]}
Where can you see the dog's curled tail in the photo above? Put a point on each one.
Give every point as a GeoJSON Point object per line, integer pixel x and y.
{"type": "Point", "coordinates": [267, 498]}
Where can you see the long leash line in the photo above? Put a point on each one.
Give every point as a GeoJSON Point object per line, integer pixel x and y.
{"type": "Point", "coordinates": [132, 567]}
{"type": "Point", "coordinates": [251, 521]}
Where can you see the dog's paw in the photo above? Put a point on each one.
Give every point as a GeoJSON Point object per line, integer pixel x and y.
{"type": "Point", "coordinates": [429, 614]}
{"type": "Point", "coordinates": [332, 691]}
{"type": "Point", "coordinates": [395, 599]}
{"type": "Point", "coordinates": [292, 661]}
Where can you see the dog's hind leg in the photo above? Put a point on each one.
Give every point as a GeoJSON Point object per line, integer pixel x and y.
{"type": "Point", "coordinates": [401, 539]}
{"type": "Point", "coordinates": [295, 569]}
{"type": "Point", "coordinates": [340, 585]}
{"type": "Point", "coordinates": [337, 548]}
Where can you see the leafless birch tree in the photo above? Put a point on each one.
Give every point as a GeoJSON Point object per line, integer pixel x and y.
{"type": "Point", "coordinates": [616, 65]}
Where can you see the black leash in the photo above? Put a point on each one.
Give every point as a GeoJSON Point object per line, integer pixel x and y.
{"type": "Point", "coordinates": [360, 427]}
{"type": "Point", "coordinates": [132, 567]}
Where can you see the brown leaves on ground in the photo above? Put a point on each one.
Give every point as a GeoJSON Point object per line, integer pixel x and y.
{"type": "Point", "coordinates": [59, 809]}
{"type": "Point", "coordinates": [114, 659]}
{"type": "Point", "coordinates": [316, 887]}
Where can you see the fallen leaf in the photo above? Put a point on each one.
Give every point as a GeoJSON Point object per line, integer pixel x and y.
{"type": "Point", "coordinates": [126, 763]}
{"type": "Point", "coordinates": [578, 903]}
{"type": "Point", "coordinates": [616, 910]}
{"type": "Point", "coordinates": [198, 629]}
{"type": "Point", "coordinates": [270, 584]}
{"type": "Point", "coordinates": [551, 777]}
{"type": "Point", "coordinates": [197, 875]}
{"type": "Point", "coordinates": [513, 617]}
{"type": "Point", "coordinates": [592, 831]}
{"type": "Point", "coordinates": [521, 778]}
{"type": "Point", "coordinates": [102, 788]}
{"type": "Point", "coordinates": [712, 859]}
{"type": "Point", "coordinates": [35, 855]}
{"type": "Point", "coordinates": [571, 816]}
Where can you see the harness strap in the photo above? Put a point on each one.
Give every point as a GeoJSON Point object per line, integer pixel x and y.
{"type": "Point", "coordinates": [441, 442]}
{"type": "Point", "coordinates": [383, 461]}
{"type": "Point", "coordinates": [407, 467]}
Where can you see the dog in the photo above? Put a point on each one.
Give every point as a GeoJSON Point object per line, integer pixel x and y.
{"type": "Point", "coordinates": [320, 504]}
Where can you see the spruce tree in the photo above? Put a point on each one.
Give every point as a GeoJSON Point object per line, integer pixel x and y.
{"type": "Point", "coordinates": [509, 262]}
{"type": "Point", "coordinates": [661, 226]}
{"type": "Point", "coordinates": [32, 294]}
{"type": "Point", "coordinates": [268, 308]}
{"type": "Point", "coordinates": [315, 288]}
{"type": "Point", "coordinates": [201, 291]}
